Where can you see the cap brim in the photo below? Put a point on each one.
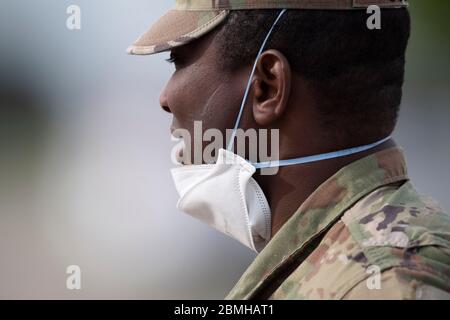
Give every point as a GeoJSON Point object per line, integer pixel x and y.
{"type": "Point", "coordinates": [177, 28]}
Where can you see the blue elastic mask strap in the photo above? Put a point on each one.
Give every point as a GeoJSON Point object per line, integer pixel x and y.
{"type": "Point", "coordinates": [249, 84]}
{"type": "Point", "coordinates": [320, 157]}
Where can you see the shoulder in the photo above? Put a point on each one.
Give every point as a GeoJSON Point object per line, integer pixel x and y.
{"type": "Point", "coordinates": [405, 238]}
{"type": "Point", "coordinates": [398, 217]}
{"type": "Point", "coordinates": [392, 244]}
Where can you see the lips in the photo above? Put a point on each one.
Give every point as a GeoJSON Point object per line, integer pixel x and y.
{"type": "Point", "coordinates": [178, 150]}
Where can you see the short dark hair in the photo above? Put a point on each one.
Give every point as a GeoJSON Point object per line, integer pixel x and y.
{"type": "Point", "coordinates": [356, 73]}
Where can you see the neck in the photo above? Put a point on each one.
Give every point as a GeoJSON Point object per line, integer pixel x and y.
{"type": "Point", "coordinates": [288, 189]}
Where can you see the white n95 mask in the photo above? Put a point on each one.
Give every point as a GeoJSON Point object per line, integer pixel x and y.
{"type": "Point", "coordinates": [226, 197]}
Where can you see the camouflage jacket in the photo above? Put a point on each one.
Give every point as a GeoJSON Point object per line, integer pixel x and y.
{"type": "Point", "coordinates": [365, 233]}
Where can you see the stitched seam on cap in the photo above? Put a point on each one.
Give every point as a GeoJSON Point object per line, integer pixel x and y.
{"type": "Point", "coordinates": [206, 25]}
{"type": "Point", "coordinates": [201, 28]}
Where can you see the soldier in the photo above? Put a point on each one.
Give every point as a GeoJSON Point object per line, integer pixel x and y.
{"type": "Point", "coordinates": [340, 219]}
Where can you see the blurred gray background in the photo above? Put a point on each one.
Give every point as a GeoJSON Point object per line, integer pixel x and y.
{"type": "Point", "coordinates": [85, 154]}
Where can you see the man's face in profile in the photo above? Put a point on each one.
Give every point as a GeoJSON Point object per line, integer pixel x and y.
{"type": "Point", "coordinates": [201, 90]}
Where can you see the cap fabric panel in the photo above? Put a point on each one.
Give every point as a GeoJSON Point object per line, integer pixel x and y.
{"type": "Point", "coordinates": [177, 28]}
{"type": "Point", "coordinates": [285, 4]}
{"type": "Point", "coordinates": [191, 19]}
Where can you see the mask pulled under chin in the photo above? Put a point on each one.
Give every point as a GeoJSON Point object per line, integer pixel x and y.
{"type": "Point", "coordinates": [226, 197]}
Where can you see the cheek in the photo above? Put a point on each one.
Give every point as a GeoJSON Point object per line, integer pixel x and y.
{"type": "Point", "coordinates": [182, 102]}
{"type": "Point", "coordinates": [224, 98]}
{"type": "Point", "coordinates": [199, 93]}
{"type": "Point", "coordinates": [223, 107]}
{"type": "Point", "coordinates": [220, 111]}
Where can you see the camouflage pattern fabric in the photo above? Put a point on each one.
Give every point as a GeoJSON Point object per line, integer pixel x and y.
{"type": "Point", "coordinates": [192, 19]}
{"type": "Point", "coordinates": [366, 233]}
{"type": "Point", "coordinates": [176, 28]}
{"type": "Point", "coordinates": [285, 4]}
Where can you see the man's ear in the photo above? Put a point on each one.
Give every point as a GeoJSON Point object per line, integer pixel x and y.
{"type": "Point", "coordinates": [271, 87]}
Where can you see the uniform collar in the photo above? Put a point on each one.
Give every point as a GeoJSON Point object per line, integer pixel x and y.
{"type": "Point", "coordinates": [318, 213]}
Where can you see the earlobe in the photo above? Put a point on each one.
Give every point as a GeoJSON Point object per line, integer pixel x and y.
{"type": "Point", "coordinates": [271, 87]}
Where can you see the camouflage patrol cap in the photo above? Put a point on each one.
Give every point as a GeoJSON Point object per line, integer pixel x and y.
{"type": "Point", "coordinates": [191, 19]}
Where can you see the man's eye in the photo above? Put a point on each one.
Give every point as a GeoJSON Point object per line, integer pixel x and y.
{"type": "Point", "coordinates": [176, 61]}
{"type": "Point", "coordinates": [171, 60]}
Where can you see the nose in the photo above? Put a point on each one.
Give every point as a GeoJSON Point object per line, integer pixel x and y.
{"type": "Point", "coordinates": [163, 101]}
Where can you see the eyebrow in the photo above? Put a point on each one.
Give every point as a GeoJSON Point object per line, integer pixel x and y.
{"type": "Point", "coordinates": [173, 54]}
{"type": "Point", "coordinates": [178, 51]}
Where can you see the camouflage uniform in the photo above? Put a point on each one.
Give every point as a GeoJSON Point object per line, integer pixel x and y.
{"type": "Point", "coordinates": [365, 233]}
